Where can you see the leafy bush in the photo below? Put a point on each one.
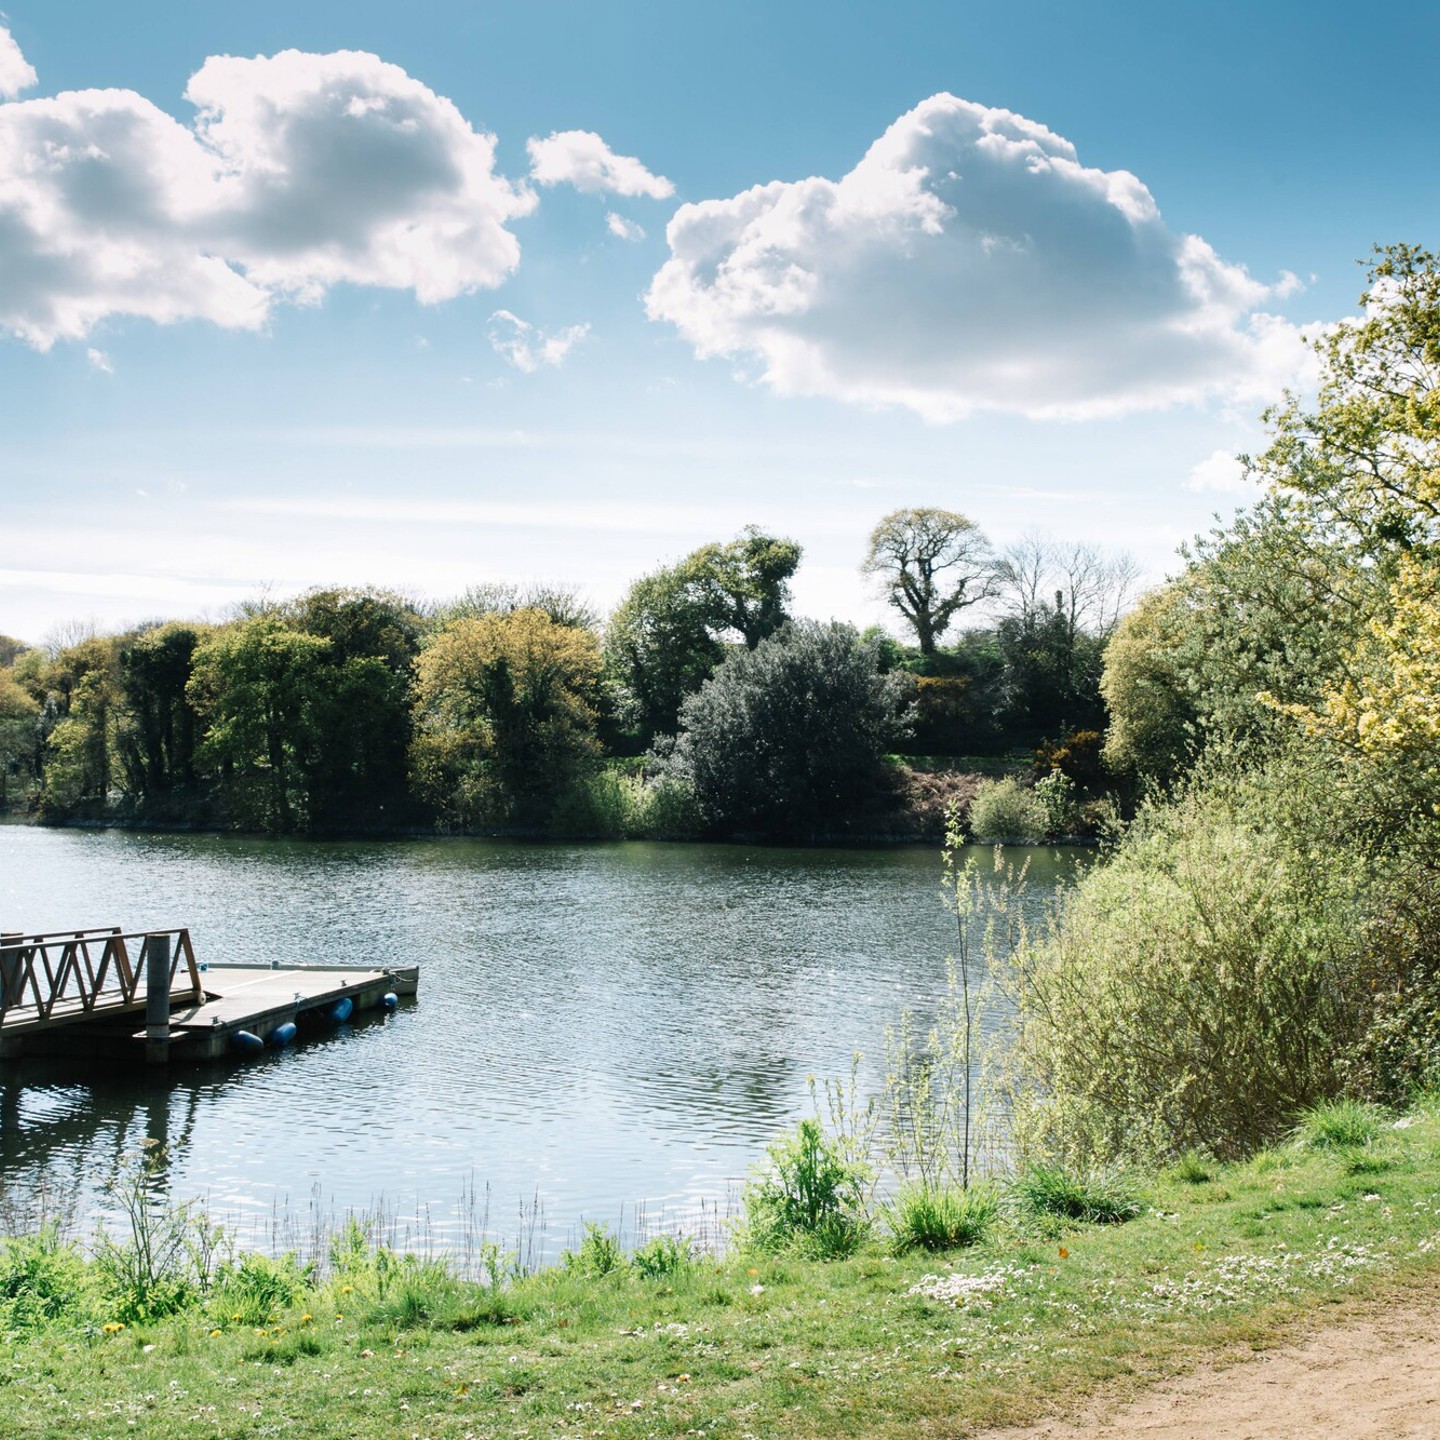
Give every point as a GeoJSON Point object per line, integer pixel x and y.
{"type": "Point", "coordinates": [663, 1258]}
{"type": "Point", "coordinates": [939, 1217]}
{"type": "Point", "coordinates": [612, 805]}
{"type": "Point", "coordinates": [599, 1253]}
{"type": "Point", "coordinates": [1095, 1196]}
{"type": "Point", "coordinates": [1007, 810]}
{"type": "Point", "coordinates": [1056, 793]}
{"type": "Point", "coordinates": [1200, 989]}
{"type": "Point", "coordinates": [808, 1198]}
{"type": "Point", "coordinates": [42, 1279]}
{"type": "Point", "coordinates": [789, 739]}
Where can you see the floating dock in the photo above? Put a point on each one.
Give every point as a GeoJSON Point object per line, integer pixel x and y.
{"type": "Point", "coordinates": [80, 994]}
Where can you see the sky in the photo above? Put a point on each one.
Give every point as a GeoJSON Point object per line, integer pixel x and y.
{"type": "Point", "coordinates": [460, 291]}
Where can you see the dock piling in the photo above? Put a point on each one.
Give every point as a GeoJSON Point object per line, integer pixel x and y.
{"type": "Point", "coordinates": [9, 983]}
{"type": "Point", "coordinates": [157, 999]}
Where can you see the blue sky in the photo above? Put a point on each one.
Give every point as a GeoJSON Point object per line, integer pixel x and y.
{"type": "Point", "coordinates": [391, 354]}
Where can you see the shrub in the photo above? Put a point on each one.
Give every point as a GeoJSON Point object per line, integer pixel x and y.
{"type": "Point", "coordinates": [789, 739]}
{"type": "Point", "coordinates": [663, 1258]}
{"type": "Point", "coordinates": [808, 1198]}
{"type": "Point", "coordinates": [1095, 1196]}
{"type": "Point", "coordinates": [1200, 989]}
{"type": "Point", "coordinates": [1007, 810]}
{"type": "Point", "coordinates": [1056, 794]}
{"type": "Point", "coordinates": [939, 1217]}
{"type": "Point", "coordinates": [42, 1279]}
{"type": "Point", "coordinates": [599, 1253]}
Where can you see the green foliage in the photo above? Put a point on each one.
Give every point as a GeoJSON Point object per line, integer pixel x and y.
{"type": "Point", "coordinates": [613, 805]}
{"type": "Point", "coordinates": [600, 1253]}
{"type": "Point", "coordinates": [943, 1217]}
{"type": "Point", "coordinates": [254, 1287]}
{"type": "Point", "coordinates": [43, 1279]}
{"type": "Point", "coordinates": [664, 1258]}
{"type": "Point", "coordinates": [1057, 795]}
{"type": "Point", "coordinates": [1093, 1196]}
{"type": "Point", "coordinates": [789, 739]}
{"type": "Point", "coordinates": [1008, 810]}
{"type": "Point", "coordinates": [933, 564]}
{"type": "Point", "coordinates": [1191, 1168]}
{"type": "Point", "coordinates": [1203, 986]}
{"type": "Point", "coordinates": [807, 1199]}
{"type": "Point", "coordinates": [1343, 1124]}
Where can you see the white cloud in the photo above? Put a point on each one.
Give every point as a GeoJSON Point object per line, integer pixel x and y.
{"type": "Point", "coordinates": [582, 159]}
{"type": "Point", "coordinates": [16, 73]}
{"type": "Point", "coordinates": [625, 229]}
{"type": "Point", "coordinates": [971, 262]}
{"type": "Point", "coordinates": [1221, 472]}
{"type": "Point", "coordinates": [100, 360]}
{"type": "Point", "coordinates": [300, 172]}
{"type": "Point", "coordinates": [529, 349]}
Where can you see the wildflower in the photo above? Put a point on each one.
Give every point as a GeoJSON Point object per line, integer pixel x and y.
{"type": "Point", "coordinates": [306, 1318]}
{"type": "Point", "coordinates": [112, 1327]}
{"type": "Point", "coordinates": [757, 1289]}
{"type": "Point", "coordinates": [347, 1289]}
{"type": "Point", "coordinates": [260, 1331]}
{"type": "Point", "coordinates": [1064, 1253]}
{"type": "Point", "coordinates": [213, 1334]}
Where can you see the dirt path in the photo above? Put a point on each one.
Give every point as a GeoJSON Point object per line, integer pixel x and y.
{"type": "Point", "coordinates": [1372, 1377]}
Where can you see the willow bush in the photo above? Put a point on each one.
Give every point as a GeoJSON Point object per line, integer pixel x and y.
{"type": "Point", "coordinates": [1203, 987]}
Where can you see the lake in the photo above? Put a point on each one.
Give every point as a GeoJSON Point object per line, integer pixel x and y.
{"type": "Point", "coordinates": [599, 1027]}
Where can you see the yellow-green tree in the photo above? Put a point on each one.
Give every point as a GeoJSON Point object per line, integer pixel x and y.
{"type": "Point", "coordinates": [505, 716]}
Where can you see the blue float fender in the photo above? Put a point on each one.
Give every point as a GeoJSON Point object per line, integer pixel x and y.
{"type": "Point", "coordinates": [390, 1000]}
{"type": "Point", "coordinates": [246, 1042]}
{"type": "Point", "coordinates": [282, 1034]}
{"type": "Point", "coordinates": [341, 1011]}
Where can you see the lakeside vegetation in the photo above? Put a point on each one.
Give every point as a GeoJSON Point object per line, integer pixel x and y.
{"type": "Point", "coordinates": [515, 710]}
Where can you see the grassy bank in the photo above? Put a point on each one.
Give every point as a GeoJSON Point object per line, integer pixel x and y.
{"type": "Point", "coordinates": [1039, 1313]}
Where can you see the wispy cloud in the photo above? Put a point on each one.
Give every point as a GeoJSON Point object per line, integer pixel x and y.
{"type": "Point", "coordinates": [626, 229]}
{"type": "Point", "coordinates": [529, 348]}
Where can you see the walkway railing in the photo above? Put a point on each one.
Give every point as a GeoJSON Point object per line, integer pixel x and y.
{"type": "Point", "coordinates": [62, 976]}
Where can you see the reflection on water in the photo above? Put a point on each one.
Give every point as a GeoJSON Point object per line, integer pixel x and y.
{"type": "Point", "coordinates": [603, 1024]}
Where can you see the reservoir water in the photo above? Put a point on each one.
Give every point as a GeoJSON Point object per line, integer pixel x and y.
{"type": "Point", "coordinates": [599, 1027]}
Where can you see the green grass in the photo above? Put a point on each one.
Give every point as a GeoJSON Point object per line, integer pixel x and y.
{"type": "Point", "coordinates": [1041, 1312]}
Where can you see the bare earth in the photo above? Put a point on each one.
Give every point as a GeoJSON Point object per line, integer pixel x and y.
{"type": "Point", "coordinates": [1375, 1375]}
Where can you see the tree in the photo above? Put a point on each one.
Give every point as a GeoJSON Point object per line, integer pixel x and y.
{"type": "Point", "coordinates": [671, 629]}
{"type": "Point", "coordinates": [1089, 588]}
{"type": "Point", "coordinates": [505, 708]}
{"type": "Point", "coordinates": [157, 733]}
{"type": "Point", "coordinates": [933, 564]}
{"type": "Point", "coordinates": [564, 604]}
{"type": "Point", "coordinates": [19, 713]}
{"type": "Point", "coordinates": [789, 738]}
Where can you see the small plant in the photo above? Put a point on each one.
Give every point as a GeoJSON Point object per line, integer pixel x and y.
{"type": "Point", "coordinates": [925, 1217]}
{"type": "Point", "coordinates": [1057, 794]}
{"type": "Point", "coordinates": [42, 1279]}
{"type": "Point", "coordinates": [663, 1258]}
{"type": "Point", "coordinates": [1340, 1125]}
{"type": "Point", "coordinates": [1007, 810]}
{"type": "Point", "coordinates": [808, 1198]}
{"type": "Point", "coordinates": [599, 1253]}
{"type": "Point", "coordinates": [1191, 1169]}
{"type": "Point", "coordinates": [255, 1287]}
{"type": "Point", "coordinates": [1097, 1197]}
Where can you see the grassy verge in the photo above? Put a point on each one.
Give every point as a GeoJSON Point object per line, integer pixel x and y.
{"type": "Point", "coordinates": [1040, 1313]}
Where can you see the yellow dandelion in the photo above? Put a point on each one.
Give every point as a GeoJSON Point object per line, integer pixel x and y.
{"type": "Point", "coordinates": [306, 1318]}
{"type": "Point", "coordinates": [112, 1327]}
{"type": "Point", "coordinates": [213, 1334]}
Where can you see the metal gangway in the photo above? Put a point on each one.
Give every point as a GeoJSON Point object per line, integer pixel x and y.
{"type": "Point", "coordinates": [70, 976]}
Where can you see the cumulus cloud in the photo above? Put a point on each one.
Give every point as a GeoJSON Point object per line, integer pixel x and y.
{"type": "Point", "coordinates": [971, 262]}
{"type": "Point", "coordinates": [16, 73]}
{"type": "Point", "coordinates": [1221, 472]}
{"type": "Point", "coordinates": [625, 229]}
{"type": "Point", "coordinates": [300, 172]}
{"type": "Point", "coordinates": [582, 159]}
{"type": "Point", "coordinates": [528, 348]}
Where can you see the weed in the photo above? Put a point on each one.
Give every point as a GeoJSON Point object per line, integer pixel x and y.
{"type": "Point", "coordinates": [599, 1254]}
{"type": "Point", "coordinates": [924, 1217]}
{"type": "Point", "coordinates": [1191, 1169]}
{"type": "Point", "coordinates": [663, 1258]}
{"type": "Point", "coordinates": [1340, 1125]}
{"type": "Point", "coordinates": [808, 1198]}
{"type": "Point", "coordinates": [255, 1287]}
{"type": "Point", "coordinates": [1097, 1197]}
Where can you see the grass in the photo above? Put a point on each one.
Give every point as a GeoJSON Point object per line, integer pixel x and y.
{"type": "Point", "coordinates": [1039, 1313]}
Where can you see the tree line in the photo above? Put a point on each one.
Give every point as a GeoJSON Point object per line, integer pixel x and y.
{"type": "Point", "coordinates": [702, 704]}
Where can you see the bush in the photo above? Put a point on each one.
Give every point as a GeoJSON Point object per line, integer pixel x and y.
{"type": "Point", "coordinates": [1056, 794]}
{"type": "Point", "coordinates": [599, 1253]}
{"type": "Point", "coordinates": [663, 1258]}
{"type": "Point", "coordinates": [612, 805]}
{"type": "Point", "coordinates": [1095, 1196]}
{"type": "Point", "coordinates": [939, 1217]}
{"type": "Point", "coordinates": [1007, 810]}
{"type": "Point", "coordinates": [789, 739]}
{"type": "Point", "coordinates": [808, 1199]}
{"type": "Point", "coordinates": [42, 1279]}
{"type": "Point", "coordinates": [1200, 989]}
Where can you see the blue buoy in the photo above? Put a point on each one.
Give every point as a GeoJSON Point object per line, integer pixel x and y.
{"type": "Point", "coordinates": [389, 999]}
{"type": "Point", "coordinates": [247, 1043]}
{"type": "Point", "coordinates": [340, 1011]}
{"type": "Point", "coordinates": [282, 1034]}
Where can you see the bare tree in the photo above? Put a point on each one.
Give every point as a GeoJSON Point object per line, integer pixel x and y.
{"type": "Point", "coordinates": [933, 564]}
{"type": "Point", "coordinates": [1089, 587]}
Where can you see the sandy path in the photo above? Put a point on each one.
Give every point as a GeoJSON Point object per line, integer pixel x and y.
{"type": "Point", "coordinates": [1373, 1376]}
